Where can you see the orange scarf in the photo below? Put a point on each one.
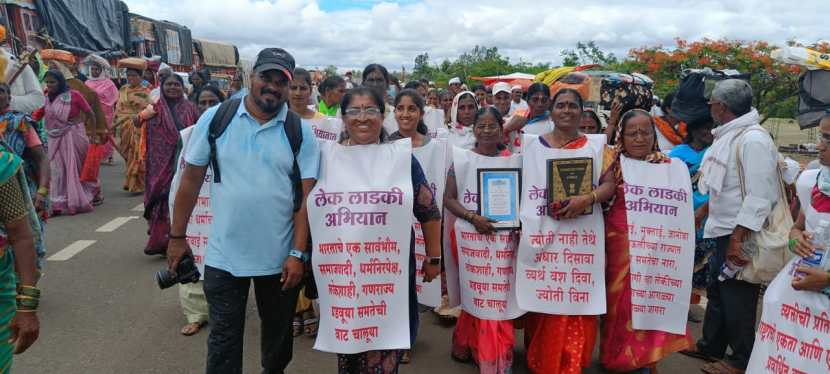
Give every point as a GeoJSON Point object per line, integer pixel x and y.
{"type": "Point", "coordinates": [674, 136]}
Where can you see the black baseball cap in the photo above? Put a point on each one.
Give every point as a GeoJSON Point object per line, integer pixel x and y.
{"type": "Point", "coordinates": [275, 58]}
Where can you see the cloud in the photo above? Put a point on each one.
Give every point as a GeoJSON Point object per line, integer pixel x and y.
{"type": "Point", "coordinates": [353, 34]}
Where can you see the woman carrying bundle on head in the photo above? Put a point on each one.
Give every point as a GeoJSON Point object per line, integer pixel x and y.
{"type": "Point", "coordinates": [133, 97]}
{"type": "Point", "coordinates": [64, 115]}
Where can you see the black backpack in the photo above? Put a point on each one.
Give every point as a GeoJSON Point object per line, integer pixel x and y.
{"type": "Point", "coordinates": [691, 101]}
{"type": "Point", "coordinates": [813, 97]}
{"type": "Point", "coordinates": [293, 130]}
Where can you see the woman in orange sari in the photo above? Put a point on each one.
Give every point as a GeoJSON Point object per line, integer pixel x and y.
{"type": "Point", "coordinates": [564, 343]}
{"type": "Point", "coordinates": [132, 99]}
{"type": "Point", "coordinates": [623, 349]}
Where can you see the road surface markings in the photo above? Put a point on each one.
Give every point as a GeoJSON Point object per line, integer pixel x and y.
{"type": "Point", "coordinates": [138, 208]}
{"type": "Point", "coordinates": [115, 224]}
{"type": "Point", "coordinates": [71, 250]}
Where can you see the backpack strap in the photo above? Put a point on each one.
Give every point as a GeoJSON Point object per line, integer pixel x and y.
{"type": "Point", "coordinates": [294, 133]}
{"type": "Point", "coordinates": [220, 121]}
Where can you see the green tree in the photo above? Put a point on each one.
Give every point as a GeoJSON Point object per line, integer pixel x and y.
{"type": "Point", "coordinates": [422, 69]}
{"type": "Point", "coordinates": [774, 85]}
{"type": "Point", "coordinates": [330, 70]}
{"type": "Point", "coordinates": [587, 53]}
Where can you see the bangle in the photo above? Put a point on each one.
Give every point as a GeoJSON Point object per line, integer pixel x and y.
{"type": "Point", "coordinates": [26, 310]}
{"type": "Point", "coordinates": [171, 236]}
{"type": "Point", "coordinates": [593, 197]}
{"type": "Point", "coordinates": [29, 291]}
{"type": "Point", "coordinates": [791, 245]}
{"type": "Point", "coordinates": [43, 191]}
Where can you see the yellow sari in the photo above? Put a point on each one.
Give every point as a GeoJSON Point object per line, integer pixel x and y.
{"type": "Point", "coordinates": [131, 101]}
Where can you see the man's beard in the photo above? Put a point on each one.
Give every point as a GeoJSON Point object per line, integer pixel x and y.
{"type": "Point", "coordinates": [268, 106]}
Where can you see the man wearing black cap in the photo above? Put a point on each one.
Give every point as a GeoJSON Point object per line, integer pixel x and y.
{"type": "Point", "coordinates": [256, 234]}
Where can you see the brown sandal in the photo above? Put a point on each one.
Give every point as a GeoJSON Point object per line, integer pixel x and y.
{"type": "Point", "coordinates": [191, 329]}
{"type": "Point", "coordinates": [297, 326]}
{"type": "Point", "coordinates": [720, 367]}
{"type": "Point", "coordinates": [406, 357]}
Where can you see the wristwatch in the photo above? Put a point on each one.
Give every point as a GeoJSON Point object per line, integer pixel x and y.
{"type": "Point", "coordinates": [434, 260]}
{"type": "Point", "coordinates": [300, 255]}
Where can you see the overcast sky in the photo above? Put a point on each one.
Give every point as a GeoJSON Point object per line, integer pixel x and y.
{"type": "Point", "coordinates": [351, 34]}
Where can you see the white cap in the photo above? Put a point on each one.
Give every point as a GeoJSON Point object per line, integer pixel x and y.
{"type": "Point", "coordinates": [501, 87]}
{"type": "Point", "coordinates": [455, 80]}
{"type": "Point", "coordinates": [517, 87]}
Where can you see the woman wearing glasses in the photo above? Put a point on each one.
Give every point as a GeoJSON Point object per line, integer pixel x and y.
{"type": "Point", "coordinates": [363, 110]}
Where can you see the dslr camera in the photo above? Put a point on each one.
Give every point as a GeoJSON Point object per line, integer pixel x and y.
{"type": "Point", "coordinates": [186, 272]}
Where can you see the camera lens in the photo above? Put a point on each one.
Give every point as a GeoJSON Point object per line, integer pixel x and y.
{"type": "Point", "coordinates": [164, 279]}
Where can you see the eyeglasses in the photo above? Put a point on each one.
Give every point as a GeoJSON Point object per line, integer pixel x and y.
{"type": "Point", "coordinates": [356, 112]}
{"type": "Point", "coordinates": [641, 134]}
{"type": "Point", "coordinates": [487, 127]}
{"type": "Point", "coordinates": [823, 138]}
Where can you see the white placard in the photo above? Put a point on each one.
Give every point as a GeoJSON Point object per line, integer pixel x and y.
{"type": "Point", "coordinates": [434, 119]}
{"type": "Point", "coordinates": [462, 137]}
{"type": "Point", "coordinates": [326, 128]}
{"type": "Point", "coordinates": [486, 263]}
{"type": "Point", "coordinates": [661, 241]}
{"type": "Point", "coordinates": [433, 160]}
{"type": "Point", "coordinates": [198, 226]}
{"type": "Point", "coordinates": [794, 333]}
{"type": "Point", "coordinates": [360, 214]}
{"type": "Point", "coordinates": [561, 263]}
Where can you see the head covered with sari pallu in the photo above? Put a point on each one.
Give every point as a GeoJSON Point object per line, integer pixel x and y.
{"type": "Point", "coordinates": [656, 156]}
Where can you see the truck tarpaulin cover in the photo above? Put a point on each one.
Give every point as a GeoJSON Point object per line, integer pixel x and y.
{"type": "Point", "coordinates": [217, 54]}
{"type": "Point", "coordinates": [85, 26]}
{"type": "Point", "coordinates": [176, 42]}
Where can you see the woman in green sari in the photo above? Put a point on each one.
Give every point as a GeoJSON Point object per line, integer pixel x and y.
{"type": "Point", "coordinates": [19, 298]}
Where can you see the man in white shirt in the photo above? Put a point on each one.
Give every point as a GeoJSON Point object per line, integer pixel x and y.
{"type": "Point", "coordinates": [732, 217]}
{"type": "Point", "coordinates": [518, 102]}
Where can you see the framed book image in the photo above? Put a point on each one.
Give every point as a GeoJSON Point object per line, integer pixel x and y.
{"type": "Point", "coordinates": [499, 196]}
{"type": "Point", "coordinates": [569, 177]}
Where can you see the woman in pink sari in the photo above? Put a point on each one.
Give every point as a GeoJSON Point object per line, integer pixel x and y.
{"type": "Point", "coordinates": [623, 349]}
{"type": "Point", "coordinates": [100, 82]}
{"type": "Point", "coordinates": [64, 114]}
{"type": "Point", "coordinates": [173, 112]}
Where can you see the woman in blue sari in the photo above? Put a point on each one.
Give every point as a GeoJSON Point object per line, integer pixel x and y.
{"type": "Point", "coordinates": [27, 140]}
{"type": "Point", "coordinates": [698, 139]}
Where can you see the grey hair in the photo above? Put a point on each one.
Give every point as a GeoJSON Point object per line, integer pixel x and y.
{"type": "Point", "coordinates": [736, 94]}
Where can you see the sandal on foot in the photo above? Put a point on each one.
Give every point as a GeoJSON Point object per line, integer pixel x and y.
{"type": "Point", "coordinates": [720, 367]}
{"type": "Point", "coordinates": [191, 329]}
{"type": "Point", "coordinates": [406, 357]}
{"type": "Point", "coordinates": [695, 353]}
{"type": "Point", "coordinates": [297, 326]}
{"type": "Point", "coordinates": [311, 326]}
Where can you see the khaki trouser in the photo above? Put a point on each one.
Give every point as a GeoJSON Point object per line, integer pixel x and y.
{"type": "Point", "coordinates": [194, 304]}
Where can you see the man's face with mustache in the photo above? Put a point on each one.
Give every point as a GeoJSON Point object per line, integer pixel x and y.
{"type": "Point", "coordinates": [269, 90]}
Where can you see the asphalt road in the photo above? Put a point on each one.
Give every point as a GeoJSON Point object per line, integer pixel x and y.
{"type": "Point", "coordinates": [102, 312]}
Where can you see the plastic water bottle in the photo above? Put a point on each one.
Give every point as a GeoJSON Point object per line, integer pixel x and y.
{"type": "Point", "coordinates": [728, 271]}
{"type": "Point", "coordinates": [819, 242]}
